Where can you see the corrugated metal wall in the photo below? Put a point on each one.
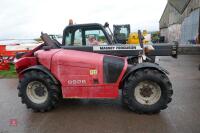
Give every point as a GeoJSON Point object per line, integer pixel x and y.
{"type": "Point", "coordinates": [170, 16]}
{"type": "Point", "coordinates": [174, 32]}
{"type": "Point", "coordinates": [179, 4]}
{"type": "Point", "coordinates": [181, 27]}
{"type": "Point", "coordinates": [170, 24]}
{"type": "Point", "coordinates": [190, 27]}
{"type": "Point", "coordinates": [164, 32]}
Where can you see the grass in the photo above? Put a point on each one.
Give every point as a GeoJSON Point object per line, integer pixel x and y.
{"type": "Point", "coordinates": [10, 73]}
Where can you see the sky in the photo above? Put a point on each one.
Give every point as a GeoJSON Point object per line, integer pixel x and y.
{"type": "Point", "coordinates": [20, 19]}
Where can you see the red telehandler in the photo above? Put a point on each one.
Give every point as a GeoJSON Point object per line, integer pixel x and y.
{"type": "Point", "coordinates": [48, 73]}
{"type": "Point", "coordinates": [53, 71]}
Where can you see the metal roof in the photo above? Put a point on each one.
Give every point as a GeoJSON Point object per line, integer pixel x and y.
{"type": "Point", "coordinates": [179, 5]}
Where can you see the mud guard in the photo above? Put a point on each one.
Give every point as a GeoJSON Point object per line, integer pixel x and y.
{"type": "Point", "coordinates": [132, 69]}
{"type": "Point", "coordinates": [42, 69]}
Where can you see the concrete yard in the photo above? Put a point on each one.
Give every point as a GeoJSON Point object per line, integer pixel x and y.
{"type": "Point", "coordinates": [108, 116]}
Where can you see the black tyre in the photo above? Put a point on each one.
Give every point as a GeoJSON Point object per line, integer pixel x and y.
{"type": "Point", "coordinates": [38, 91]}
{"type": "Point", "coordinates": [152, 59]}
{"type": "Point", "coordinates": [147, 91]}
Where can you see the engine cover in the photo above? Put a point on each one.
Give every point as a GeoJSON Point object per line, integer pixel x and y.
{"type": "Point", "coordinates": [85, 74]}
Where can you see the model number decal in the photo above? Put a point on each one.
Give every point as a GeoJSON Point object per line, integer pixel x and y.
{"type": "Point", "coordinates": [76, 82]}
{"type": "Point", "coordinates": [106, 48]}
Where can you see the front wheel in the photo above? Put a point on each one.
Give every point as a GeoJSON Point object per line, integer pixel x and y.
{"type": "Point", "coordinates": [147, 91]}
{"type": "Point", "coordinates": [38, 91]}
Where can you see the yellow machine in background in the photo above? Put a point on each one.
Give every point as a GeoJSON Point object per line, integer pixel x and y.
{"type": "Point", "coordinates": [133, 38]}
{"type": "Point", "coordinates": [122, 34]}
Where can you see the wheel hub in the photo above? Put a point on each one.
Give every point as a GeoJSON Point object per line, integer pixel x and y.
{"type": "Point", "coordinates": [37, 92]}
{"type": "Point", "coordinates": [147, 92]}
{"type": "Point", "coordinates": [40, 91]}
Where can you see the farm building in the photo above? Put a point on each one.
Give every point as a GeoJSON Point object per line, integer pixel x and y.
{"type": "Point", "coordinates": [180, 21]}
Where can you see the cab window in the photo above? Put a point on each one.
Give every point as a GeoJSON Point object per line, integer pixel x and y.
{"type": "Point", "coordinates": [78, 38]}
{"type": "Point", "coordinates": [68, 38]}
{"type": "Point", "coordinates": [73, 38]}
{"type": "Point", "coordinates": [95, 37]}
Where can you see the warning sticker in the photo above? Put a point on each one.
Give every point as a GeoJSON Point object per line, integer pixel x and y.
{"type": "Point", "coordinates": [93, 72]}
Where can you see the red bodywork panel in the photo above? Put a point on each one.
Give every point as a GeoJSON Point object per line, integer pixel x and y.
{"type": "Point", "coordinates": [24, 63]}
{"type": "Point", "coordinates": [80, 73]}
{"type": "Point", "coordinates": [27, 60]}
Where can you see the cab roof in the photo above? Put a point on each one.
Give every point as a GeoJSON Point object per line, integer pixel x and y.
{"type": "Point", "coordinates": [84, 25]}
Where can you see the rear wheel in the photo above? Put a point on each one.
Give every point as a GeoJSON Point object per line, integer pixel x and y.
{"type": "Point", "coordinates": [147, 91]}
{"type": "Point", "coordinates": [38, 91]}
